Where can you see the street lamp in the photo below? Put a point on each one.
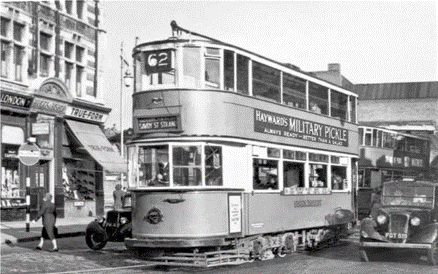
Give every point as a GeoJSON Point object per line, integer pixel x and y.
{"type": "Point", "coordinates": [127, 80]}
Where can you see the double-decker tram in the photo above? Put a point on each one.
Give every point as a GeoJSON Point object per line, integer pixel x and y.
{"type": "Point", "coordinates": [236, 156]}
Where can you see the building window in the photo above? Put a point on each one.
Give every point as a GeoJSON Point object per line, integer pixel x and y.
{"type": "Point", "coordinates": [187, 165]}
{"type": "Point", "coordinates": [213, 166]}
{"type": "Point", "coordinates": [18, 62]}
{"type": "Point", "coordinates": [265, 174]}
{"type": "Point", "coordinates": [5, 52]}
{"type": "Point", "coordinates": [44, 64]}
{"type": "Point", "coordinates": [80, 8]}
{"type": "Point", "coordinates": [69, 6]}
{"type": "Point", "coordinates": [18, 32]}
{"type": "Point", "coordinates": [45, 41]}
{"type": "Point", "coordinates": [79, 74]}
{"type": "Point", "coordinates": [352, 109]}
{"type": "Point", "coordinates": [368, 136]}
{"type": "Point", "coordinates": [68, 50]}
{"type": "Point", "coordinates": [68, 74]}
{"type": "Point", "coordinates": [228, 70]}
{"type": "Point", "coordinates": [212, 68]}
{"type": "Point", "coordinates": [339, 104]}
{"type": "Point", "coordinates": [79, 54]}
{"type": "Point", "coordinates": [318, 98]}
{"type": "Point", "coordinates": [265, 82]}
{"type": "Point", "coordinates": [294, 91]}
{"type": "Point", "coordinates": [242, 74]}
{"type": "Point", "coordinates": [5, 27]}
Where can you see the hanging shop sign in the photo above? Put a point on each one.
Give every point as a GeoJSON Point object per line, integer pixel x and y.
{"type": "Point", "coordinates": [15, 100]}
{"type": "Point", "coordinates": [297, 128]}
{"type": "Point", "coordinates": [153, 124]}
{"type": "Point", "coordinates": [29, 154]}
{"type": "Point", "coordinates": [40, 128]}
{"type": "Point", "coordinates": [85, 114]}
{"type": "Point", "coordinates": [48, 106]}
{"type": "Point", "coordinates": [158, 61]}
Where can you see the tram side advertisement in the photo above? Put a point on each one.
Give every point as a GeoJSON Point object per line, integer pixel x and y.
{"type": "Point", "coordinates": [292, 127]}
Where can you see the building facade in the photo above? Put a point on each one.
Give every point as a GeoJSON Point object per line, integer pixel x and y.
{"type": "Point", "coordinates": [50, 74]}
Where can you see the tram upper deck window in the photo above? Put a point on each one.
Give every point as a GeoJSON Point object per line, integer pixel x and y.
{"type": "Point", "coordinates": [187, 165]}
{"type": "Point", "coordinates": [339, 104]}
{"type": "Point", "coordinates": [154, 166]}
{"type": "Point", "coordinates": [242, 65]}
{"type": "Point", "coordinates": [318, 98]}
{"type": "Point", "coordinates": [266, 82]}
{"type": "Point", "coordinates": [213, 166]}
{"type": "Point", "coordinates": [149, 72]}
{"type": "Point", "coordinates": [192, 67]}
{"type": "Point", "coordinates": [212, 68]}
{"type": "Point", "coordinates": [228, 70]}
{"type": "Point", "coordinates": [294, 91]}
{"type": "Point", "coordinates": [265, 174]}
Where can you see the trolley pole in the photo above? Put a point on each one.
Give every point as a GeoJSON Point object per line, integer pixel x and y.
{"type": "Point", "coordinates": [27, 204]}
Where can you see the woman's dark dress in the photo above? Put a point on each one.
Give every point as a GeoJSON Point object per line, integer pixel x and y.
{"type": "Point", "coordinates": [48, 213]}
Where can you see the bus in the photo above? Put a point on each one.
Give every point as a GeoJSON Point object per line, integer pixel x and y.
{"type": "Point", "coordinates": [235, 156]}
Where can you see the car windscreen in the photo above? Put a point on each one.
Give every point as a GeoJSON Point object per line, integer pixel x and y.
{"type": "Point", "coordinates": [408, 196]}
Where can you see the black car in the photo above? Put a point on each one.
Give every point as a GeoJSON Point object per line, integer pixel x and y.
{"type": "Point", "coordinates": [407, 218]}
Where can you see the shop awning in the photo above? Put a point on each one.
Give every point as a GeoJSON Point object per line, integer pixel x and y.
{"type": "Point", "coordinates": [95, 142]}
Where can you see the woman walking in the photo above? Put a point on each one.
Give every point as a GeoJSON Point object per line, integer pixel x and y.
{"type": "Point", "coordinates": [48, 213]}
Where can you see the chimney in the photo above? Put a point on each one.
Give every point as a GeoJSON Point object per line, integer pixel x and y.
{"type": "Point", "coordinates": [335, 67]}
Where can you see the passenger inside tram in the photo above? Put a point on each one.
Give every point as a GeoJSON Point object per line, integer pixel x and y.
{"type": "Point", "coordinates": [315, 108]}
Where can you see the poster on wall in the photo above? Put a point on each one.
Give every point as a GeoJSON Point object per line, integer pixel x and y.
{"type": "Point", "coordinates": [235, 213]}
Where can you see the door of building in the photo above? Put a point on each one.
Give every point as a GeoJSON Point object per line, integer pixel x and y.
{"type": "Point", "coordinates": [39, 185]}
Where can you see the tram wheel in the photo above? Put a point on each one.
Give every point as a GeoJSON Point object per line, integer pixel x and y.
{"type": "Point", "coordinates": [281, 252]}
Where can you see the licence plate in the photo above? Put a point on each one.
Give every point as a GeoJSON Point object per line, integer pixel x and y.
{"type": "Point", "coordinates": [396, 235]}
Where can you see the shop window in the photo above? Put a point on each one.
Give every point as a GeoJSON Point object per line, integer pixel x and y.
{"type": "Point", "coordinates": [339, 177]}
{"type": "Point", "coordinates": [187, 165]}
{"type": "Point", "coordinates": [12, 191]}
{"type": "Point", "coordinates": [212, 68]}
{"type": "Point", "coordinates": [265, 82]}
{"type": "Point", "coordinates": [265, 174]}
{"type": "Point", "coordinates": [339, 104]}
{"type": "Point", "coordinates": [294, 91]}
{"type": "Point", "coordinates": [242, 74]}
{"type": "Point", "coordinates": [293, 174]}
{"type": "Point", "coordinates": [78, 179]}
{"type": "Point", "coordinates": [213, 166]}
{"type": "Point", "coordinates": [318, 98]}
{"type": "Point", "coordinates": [192, 67]}
{"type": "Point", "coordinates": [228, 70]}
{"type": "Point", "coordinates": [153, 165]}
{"type": "Point", "coordinates": [317, 175]}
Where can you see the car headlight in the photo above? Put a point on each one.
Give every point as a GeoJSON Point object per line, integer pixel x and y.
{"type": "Point", "coordinates": [123, 220]}
{"type": "Point", "coordinates": [381, 219]}
{"type": "Point", "coordinates": [415, 221]}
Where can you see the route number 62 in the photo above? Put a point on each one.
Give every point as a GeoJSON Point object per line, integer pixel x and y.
{"type": "Point", "coordinates": [158, 61]}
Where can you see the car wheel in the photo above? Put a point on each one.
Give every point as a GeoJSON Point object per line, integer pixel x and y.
{"type": "Point", "coordinates": [432, 254]}
{"type": "Point", "coordinates": [96, 240]}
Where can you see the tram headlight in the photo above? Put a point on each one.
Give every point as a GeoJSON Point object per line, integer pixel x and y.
{"type": "Point", "coordinates": [415, 221]}
{"type": "Point", "coordinates": [381, 219]}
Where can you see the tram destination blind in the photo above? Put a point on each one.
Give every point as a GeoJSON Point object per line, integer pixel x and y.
{"type": "Point", "coordinates": [158, 123]}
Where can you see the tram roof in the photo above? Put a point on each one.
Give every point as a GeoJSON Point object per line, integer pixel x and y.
{"type": "Point", "coordinates": [217, 42]}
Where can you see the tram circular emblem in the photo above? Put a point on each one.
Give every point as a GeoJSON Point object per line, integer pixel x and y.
{"type": "Point", "coordinates": [153, 216]}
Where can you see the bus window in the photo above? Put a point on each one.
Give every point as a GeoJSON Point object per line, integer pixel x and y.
{"type": "Point", "coordinates": [317, 175]}
{"type": "Point", "coordinates": [265, 82]}
{"type": "Point", "coordinates": [192, 67]}
{"type": "Point", "coordinates": [242, 74]}
{"type": "Point", "coordinates": [339, 177]}
{"type": "Point", "coordinates": [187, 165]}
{"type": "Point", "coordinates": [212, 68]}
{"type": "Point", "coordinates": [294, 91]}
{"type": "Point", "coordinates": [265, 174]}
{"type": "Point", "coordinates": [293, 174]}
{"type": "Point", "coordinates": [228, 70]}
{"type": "Point", "coordinates": [213, 166]}
{"type": "Point", "coordinates": [318, 98]}
{"type": "Point", "coordinates": [154, 166]}
{"type": "Point", "coordinates": [339, 105]}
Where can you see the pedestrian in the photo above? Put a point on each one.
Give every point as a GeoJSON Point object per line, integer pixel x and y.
{"type": "Point", "coordinates": [48, 212]}
{"type": "Point", "coordinates": [119, 197]}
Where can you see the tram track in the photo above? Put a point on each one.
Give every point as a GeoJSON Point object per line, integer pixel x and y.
{"type": "Point", "coordinates": [104, 270]}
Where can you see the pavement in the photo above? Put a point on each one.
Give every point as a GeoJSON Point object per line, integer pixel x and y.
{"type": "Point", "coordinates": [14, 232]}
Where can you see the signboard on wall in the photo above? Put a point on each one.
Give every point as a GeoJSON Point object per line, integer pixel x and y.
{"type": "Point", "coordinates": [86, 114]}
{"type": "Point", "coordinates": [163, 123]}
{"type": "Point", "coordinates": [292, 127]}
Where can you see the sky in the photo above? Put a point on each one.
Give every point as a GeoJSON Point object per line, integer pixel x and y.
{"type": "Point", "coordinates": [373, 41]}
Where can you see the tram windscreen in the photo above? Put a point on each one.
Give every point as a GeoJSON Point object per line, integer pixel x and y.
{"type": "Point", "coordinates": [154, 166]}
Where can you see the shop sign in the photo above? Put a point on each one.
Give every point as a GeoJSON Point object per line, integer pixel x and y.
{"type": "Point", "coordinates": [86, 114]}
{"type": "Point", "coordinates": [10, 152]}
{"type": "Point", "coordinates": [29, 154]}
{"type": "Point", "coordinates": [48, 106]}
{"type": "Point", "coordinates": [167, 123]}
{"type": "Point", "coordinates": [14, 100]}
{"type": "Point", "coordinates": [292, 127]}
{"type": "Point", "coordinates": [158, 61]}
{"type": "Point", "coordinates": [40, 128]}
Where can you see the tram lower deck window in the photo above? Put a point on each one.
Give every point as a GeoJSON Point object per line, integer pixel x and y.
{"type": "Point", "coordinates": [318, 175]}
{"type": "Point", "coordinates": [293, 174]}
{"type": "Point", "coordinates": [154, 166]}
{"type": "Point", "coordinates": [187, 165]}
{"type": "Point", "coordinates": [265, 174]}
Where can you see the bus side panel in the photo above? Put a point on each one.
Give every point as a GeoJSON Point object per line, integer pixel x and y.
{"type": "Point", "coordinates": [190, 214]}
{"type": "Point", "coordinates": [269, 212]}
